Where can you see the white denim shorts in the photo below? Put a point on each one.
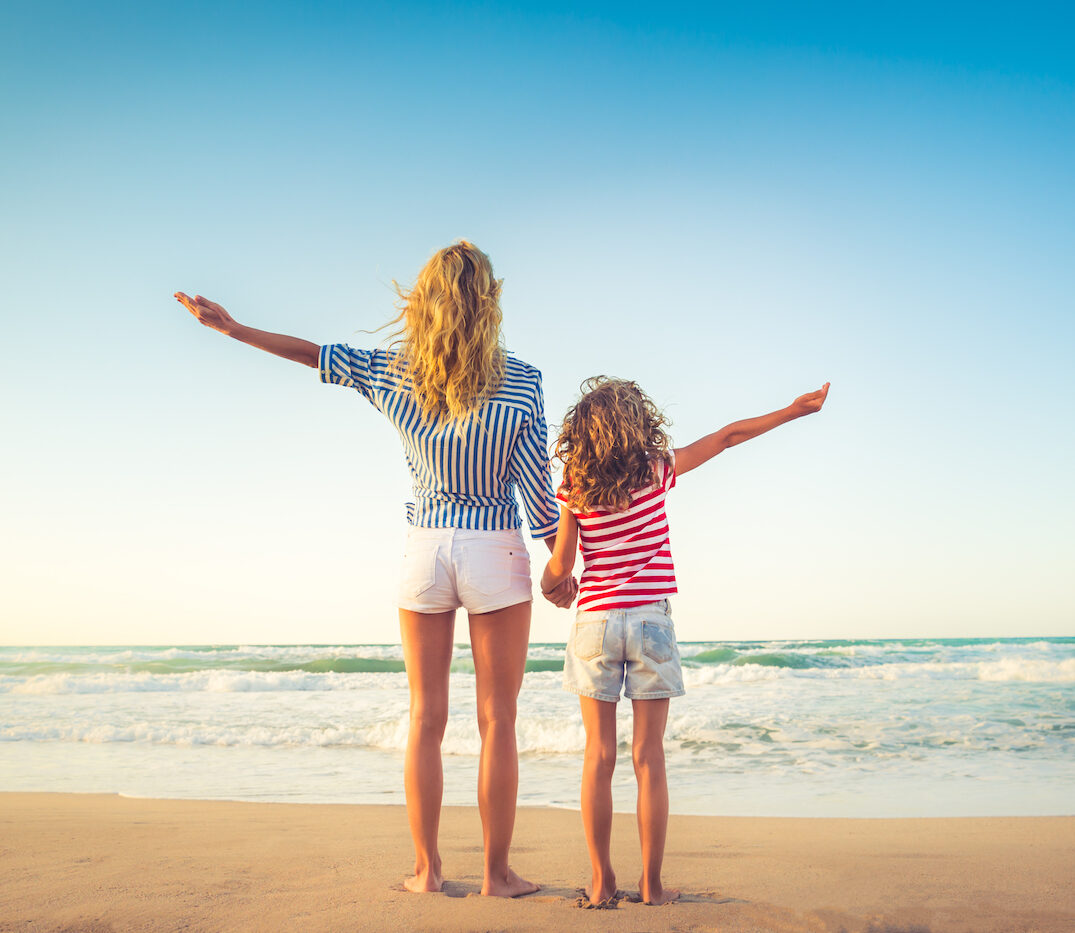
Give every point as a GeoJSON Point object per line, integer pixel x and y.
{"type": "Point", "coordinates": [630, 648]}
{"type": "Point", "coordinates": [482, 571]}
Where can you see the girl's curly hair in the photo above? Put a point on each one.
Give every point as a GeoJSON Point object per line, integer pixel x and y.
{"type": "Point", "coordinates": [608, 442]}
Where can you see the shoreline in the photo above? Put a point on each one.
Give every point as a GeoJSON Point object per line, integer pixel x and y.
{"type": "Point", "coordinates": [106, 862]}
{"type": "Point", "coordinates": [566, 808]}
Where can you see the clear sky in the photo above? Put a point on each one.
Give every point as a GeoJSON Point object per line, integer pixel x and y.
{"type": "Point", "coordinates": [731, 207]}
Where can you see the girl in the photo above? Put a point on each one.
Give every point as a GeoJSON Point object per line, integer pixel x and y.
{"type": "Point", "coordinates": [472, 422]}
{"type": "Point", "coordinates": [618, 469]}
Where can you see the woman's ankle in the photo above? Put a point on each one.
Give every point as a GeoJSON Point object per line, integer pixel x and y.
{"type": "Point", "coordinates": [427, 865]}
{"type": "Point", "coordinates": [426, 877]}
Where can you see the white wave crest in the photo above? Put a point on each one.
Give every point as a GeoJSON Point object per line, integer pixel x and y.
{"type": "Point", "coordinates": [1013, 669]}
{"type": "Point", "coordinates": [733, 674]}
{"type": "Point", "coordinates": [191, 735]}
{"type": "Point", "coordinates": [213, 681]}
{"type": "Point", "coordinates": [534, 736]}
{"type": "Point", "coordinates": [1028, 670]}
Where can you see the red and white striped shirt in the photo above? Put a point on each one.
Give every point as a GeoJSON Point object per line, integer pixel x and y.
{"type": "Point", "coordinates": [627, 560]}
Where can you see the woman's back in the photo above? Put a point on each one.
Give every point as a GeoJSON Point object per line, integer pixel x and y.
{"type": "Point", "coordinates": [464, 472]}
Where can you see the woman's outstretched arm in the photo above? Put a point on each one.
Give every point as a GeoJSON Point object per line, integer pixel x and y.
{"type": "Point", "coordinates": [213, 315]}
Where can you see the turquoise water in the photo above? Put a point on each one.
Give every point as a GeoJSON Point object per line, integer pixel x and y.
{"type": "Point", "coordinates": [841, 727]}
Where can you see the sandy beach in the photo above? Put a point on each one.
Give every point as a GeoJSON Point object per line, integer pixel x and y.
{"type": "Point", "coordinates": [95, 862]}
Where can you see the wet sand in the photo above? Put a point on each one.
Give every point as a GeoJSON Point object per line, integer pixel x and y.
{"type": "Point", "coordinates": [91, 862]}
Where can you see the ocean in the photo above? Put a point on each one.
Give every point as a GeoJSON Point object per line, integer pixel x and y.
{"type": "Point", "coordinates": [862, 728]}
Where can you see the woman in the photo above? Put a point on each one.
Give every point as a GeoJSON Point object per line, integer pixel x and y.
{"type": "Point", "coordinates": [472, 422]}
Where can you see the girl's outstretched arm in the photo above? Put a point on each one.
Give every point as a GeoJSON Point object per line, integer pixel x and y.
{"type": "Point", "coordinates": [694, 455]}
{"type": "Point", "coordinates": [213, 315]}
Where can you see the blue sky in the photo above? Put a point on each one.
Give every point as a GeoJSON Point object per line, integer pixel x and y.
{"type": "Point", "coordinates": [731, 207]}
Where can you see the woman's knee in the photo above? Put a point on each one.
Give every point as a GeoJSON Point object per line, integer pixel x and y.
{"type": "Point", "coordinates": [497, 711]}
{"type": "Point", "coordinates": [429, 719]}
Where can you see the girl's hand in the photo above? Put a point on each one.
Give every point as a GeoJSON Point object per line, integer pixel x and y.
{"type": "Point", "coordinates": [809, 403]}
{"type": "Point", "coordinates": [563, 596]}
{"type": "Point", "coordinates": [208, 312]}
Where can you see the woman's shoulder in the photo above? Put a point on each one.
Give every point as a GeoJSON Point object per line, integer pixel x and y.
{"type": "Point", "coordinates": [521, 385]}
{"type": "Point", "coordinates": [520, 369]}
{"type": "Point", "coordinates": [381, 364]}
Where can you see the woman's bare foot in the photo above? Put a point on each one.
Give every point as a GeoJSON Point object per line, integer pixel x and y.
{"type": "Point", "coordinates": [508, 884]}
{"type": "Point", "coordinates": [656, 894]}
{"type": "Point", "coordinates": [422, 882]}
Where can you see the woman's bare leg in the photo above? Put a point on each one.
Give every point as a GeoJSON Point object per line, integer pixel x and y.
{"type": "Point", "coordinates": [647, 749]}
{"type": "Point", "coordinates": [599, 718]}
{"type": "Point", "coordinates": [498, 642]}
{"type": "Point", "coordinates": [427, 653]}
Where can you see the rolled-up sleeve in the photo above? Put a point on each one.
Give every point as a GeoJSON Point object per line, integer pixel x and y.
{"type": "Point", "coordinates": [530, 470]}
{"type": "Point", "coordinates": [345, 366]}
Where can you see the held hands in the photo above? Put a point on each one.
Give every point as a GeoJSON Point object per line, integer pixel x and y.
{"type": "Point", "coordinates": [563, 595]}
{"type": "Point", "coordinates": [809, 403]}
{"type": "Point", "coordinates": [208, 312]}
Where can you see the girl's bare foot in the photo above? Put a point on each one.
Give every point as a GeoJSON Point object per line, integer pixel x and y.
{"type": "Point", "coordinates": [656, 894]}
{"type": "Point", "coordinates": [602, 889]}
{"type": "Point", "coordinates": [422, 882]}
{"type": "Point", "coordinates": [508, 884]}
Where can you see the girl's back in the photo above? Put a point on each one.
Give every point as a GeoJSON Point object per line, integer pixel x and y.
{"type": "Point", "coordinates": [626, 554]}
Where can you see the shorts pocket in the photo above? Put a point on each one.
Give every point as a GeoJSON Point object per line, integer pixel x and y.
{"type": "Point", "coordinates": [588, 639]}
{"type": "Point", "coordinates": [658, 642]}
{"type": "Point", "coordinates": [491, 568]}
{"type": "Point", "coordinates": [419, 571]}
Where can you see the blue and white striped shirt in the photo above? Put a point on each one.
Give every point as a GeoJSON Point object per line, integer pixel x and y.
{"type": "Point", "coordinates": [464, 477]}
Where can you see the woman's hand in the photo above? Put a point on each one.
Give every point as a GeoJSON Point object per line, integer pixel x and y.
{"type": "Point", "coordinates": [809, 403]}
{"type": "Point", "coordinates": [214, 316]}
{"type": "Point", "coordinates": [208, 312]}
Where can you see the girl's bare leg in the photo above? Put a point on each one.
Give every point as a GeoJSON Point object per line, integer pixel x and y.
{"type": "Point", "coordinates": [427, 653]}
{"type": "Point", "coordinates": [498, 642]}
{"type": "Point", "coordinates": [599, 718]}
{"type": "Point", "coordinates": [647, 750]}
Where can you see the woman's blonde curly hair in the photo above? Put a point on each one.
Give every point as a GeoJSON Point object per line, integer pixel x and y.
{"type": "Point", "coordinates": [608, 444]}
{"type": "Point", "coordinates": [449, 345]}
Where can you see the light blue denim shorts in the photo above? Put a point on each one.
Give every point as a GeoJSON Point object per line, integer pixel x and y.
{"type": "Point", "coordinates": [630, 648]}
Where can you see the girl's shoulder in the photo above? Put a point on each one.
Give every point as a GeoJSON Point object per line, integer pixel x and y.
{"type": "Point", "coordinates": [664, 470]}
